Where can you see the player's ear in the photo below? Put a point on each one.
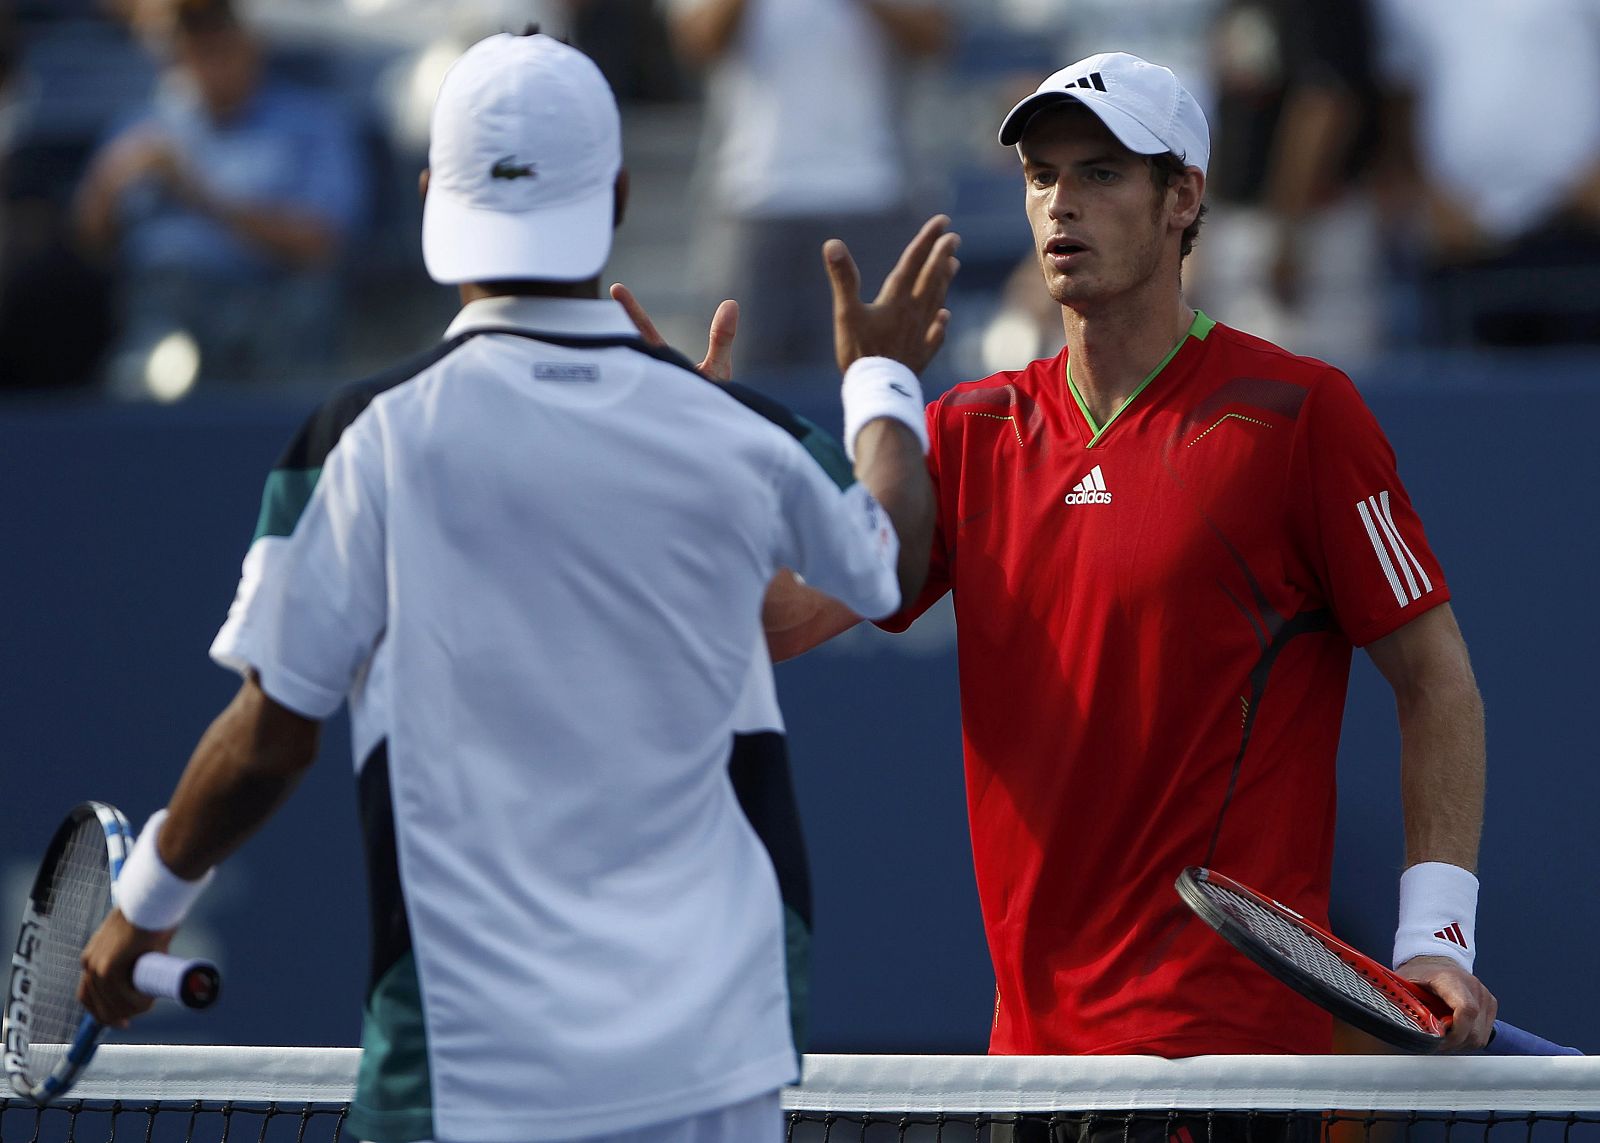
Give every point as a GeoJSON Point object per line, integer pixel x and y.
{"type": "Point", "coordinates": [1190, 190]}
{"type": "Point", "coordinates": [621, 196]}
{"type": "Point", "coordinates": [422, 184]}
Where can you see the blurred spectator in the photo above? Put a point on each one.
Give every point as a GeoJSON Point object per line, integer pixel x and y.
{"type": "Point", "coordinates": [1505, 145]}
{"type": "Point", "coordinates": [1325, 157]}
{"type": "Point", "coordinates": [627, 40]}
{"type": "Point", "coordinates": [805, 122]}
{"type": "Point", "coordinates": [225, 206]}
{"type": "Point", "coordinates": [1297, 141]}
{"type": "Point", "coordinates": [54, 316]}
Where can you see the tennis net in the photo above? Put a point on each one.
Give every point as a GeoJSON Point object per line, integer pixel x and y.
{"type": "Point", "coordinates": [160, 1094]}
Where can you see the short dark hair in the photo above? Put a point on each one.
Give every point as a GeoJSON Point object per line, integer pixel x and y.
{"type": "Point", "coordinates": [1165, 170]}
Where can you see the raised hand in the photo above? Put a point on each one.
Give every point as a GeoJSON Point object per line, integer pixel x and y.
{"type": "Point", "coordinates": [718, 361]}
{"type": "Point", "coordinates": [907, 320]}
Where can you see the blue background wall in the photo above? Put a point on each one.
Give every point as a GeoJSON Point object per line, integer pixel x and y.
{"type": "Point", "coordinates": [123, 531]}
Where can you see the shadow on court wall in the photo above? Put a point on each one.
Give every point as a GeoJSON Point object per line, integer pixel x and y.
{"type": "Point", "coordinates": [124, 528]}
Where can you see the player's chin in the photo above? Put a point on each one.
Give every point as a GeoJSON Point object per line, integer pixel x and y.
{"type": "Point", "coordinates": [1067, 289]}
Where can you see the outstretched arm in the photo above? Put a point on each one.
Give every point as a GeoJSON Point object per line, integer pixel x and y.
{"type": "Point", "coordinates": [245, 765]}
{"type": "Point", "coordinates": [906, 321]}
{"type": "Point", "coordinates": [247, 762]}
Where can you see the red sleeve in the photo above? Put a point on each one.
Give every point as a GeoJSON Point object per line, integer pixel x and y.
{"type": "Point", "coordinates": [1352, 520]}
{"type": "Point", "coordinates": [939, 558]}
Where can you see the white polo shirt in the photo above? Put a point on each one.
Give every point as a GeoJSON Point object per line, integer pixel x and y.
{"type": "Point", "coordinates": [534, 563]}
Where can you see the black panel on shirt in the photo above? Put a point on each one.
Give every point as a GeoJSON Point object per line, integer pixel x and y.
{"type": "Point", "coordinates": [386, 901]}
{"type": "Point", "coordinates": [822, 447]}
{"type": "Point", "coordinates": [759, 767]}
{"type": "Point", "coordinates": [322, 430]}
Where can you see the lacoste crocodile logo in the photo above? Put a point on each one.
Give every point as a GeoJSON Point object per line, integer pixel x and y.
{"type": "Point", "coordinates": [508, 168]}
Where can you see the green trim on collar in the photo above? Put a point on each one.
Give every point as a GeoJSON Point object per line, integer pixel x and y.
{"type": "Point", "coordinates": [1199, 329]}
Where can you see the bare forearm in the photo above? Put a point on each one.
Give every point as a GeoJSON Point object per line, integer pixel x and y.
{"type": "Point", "coordinates": [797, 618]}
{"type": "Point", "coordinates": [890, 463]}
{"type": "Point", "coordinates": [1441, 737]}
{"type": "Point", "coordinates": [247, 762]}
{"type": "Point", "coordinates": [704, 33]}
{"type": "Point", "coordinates": [1442, 765]}
{"type": "Point", "coordinates": [916, 29]}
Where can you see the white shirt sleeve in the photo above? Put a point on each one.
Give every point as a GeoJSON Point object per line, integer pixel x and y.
{"type": "Point", "coordinates": [311, 606]}
{"type": "Point", "coordinates": [840, 541]}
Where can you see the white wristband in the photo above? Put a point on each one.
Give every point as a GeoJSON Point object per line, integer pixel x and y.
{"type": "Point", "coordinates": [149, 894]}
{"type": "Point", "coordinates": [881, 387]}
{"type": "Point", "coordinates": [1438, 914]}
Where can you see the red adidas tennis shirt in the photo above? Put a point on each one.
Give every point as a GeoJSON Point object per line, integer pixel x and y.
{"type": "Point", "coordinates": [1155, 622]}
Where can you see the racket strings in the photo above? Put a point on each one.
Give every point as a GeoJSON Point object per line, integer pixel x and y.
{"type": "Point", "coordinates": [76, 900]}
{"type": "Point", "coordinates": [1308, 954]}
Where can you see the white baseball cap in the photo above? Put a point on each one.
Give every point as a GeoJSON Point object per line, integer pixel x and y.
{"type": "Point", "coordinates": [1141, 103]}
{"type": "Point", "coordinates": [524, 156]}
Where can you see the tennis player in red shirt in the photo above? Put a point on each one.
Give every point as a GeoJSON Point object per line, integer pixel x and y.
{"type": "Point", "coordinates": [1163, 544]}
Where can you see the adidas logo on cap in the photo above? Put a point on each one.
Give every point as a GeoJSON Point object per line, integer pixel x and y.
{"type": "Point", "coordinates": [1090, 490]}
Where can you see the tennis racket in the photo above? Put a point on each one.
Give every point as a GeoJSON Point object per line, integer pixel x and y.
{"type": "Point", "coordinates": [49, 1038]}
{"type": "Point", "coordinates": [1329, 973]}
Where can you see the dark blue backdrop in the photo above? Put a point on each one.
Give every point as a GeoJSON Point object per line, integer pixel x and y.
{"type": "Point", "coordinates": [124, 528]}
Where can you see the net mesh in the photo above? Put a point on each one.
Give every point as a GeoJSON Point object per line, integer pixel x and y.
{"type": "Point", "coordinates": [142, 1094]}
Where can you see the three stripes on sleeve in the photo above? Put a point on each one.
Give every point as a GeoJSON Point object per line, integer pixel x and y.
{"type": "Point", "coordinates": [1394, 554]}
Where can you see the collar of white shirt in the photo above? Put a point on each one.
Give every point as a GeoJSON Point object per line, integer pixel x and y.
{"type": "Point", "coordinates": [576, 317]}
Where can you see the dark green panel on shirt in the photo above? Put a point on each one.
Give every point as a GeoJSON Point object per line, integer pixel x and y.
{"type": "Point", "coordinates": [285, 496]}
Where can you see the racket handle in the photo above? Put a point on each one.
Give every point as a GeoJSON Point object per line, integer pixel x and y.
{"type": "Point", "coordinates": [193, 983]}
{"type": "Point", "coordinates": [1509, 1040]}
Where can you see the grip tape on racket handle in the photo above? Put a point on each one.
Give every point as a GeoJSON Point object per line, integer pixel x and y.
{"type": "Point", "coordinates": [1509, 1040]}
{"type": "Point", "coordinates": [193, 983]}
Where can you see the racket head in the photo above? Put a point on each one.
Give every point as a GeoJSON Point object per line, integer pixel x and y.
{"type": "Point", "coordinates": [1314, 962]}
{"type": "Point", "coordinates": [47, 1034]}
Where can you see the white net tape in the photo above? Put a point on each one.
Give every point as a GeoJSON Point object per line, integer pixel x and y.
{"type": "Point", "coordinates": [952, 1083]}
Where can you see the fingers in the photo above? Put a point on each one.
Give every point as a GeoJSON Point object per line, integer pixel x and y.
{"type": "Point", "coordinates": [842, 274]}
{"type": "Point", "coordinates": [105, 987]}
{"type": "Point", "coordinates": [933, 282]}
{"type": "Point", "coordinates": [718, 363]}
{"type": "Point", "coordinates": [1473, 1007]}
{"type": "Point", "coordinates": [908, 271]}
{"type": "Point", "coordinates": [636, 314]}
{"type": "Point", "coordinates": [937, 329]}
{"type": "Point", "coordinates": [108, 1003]}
